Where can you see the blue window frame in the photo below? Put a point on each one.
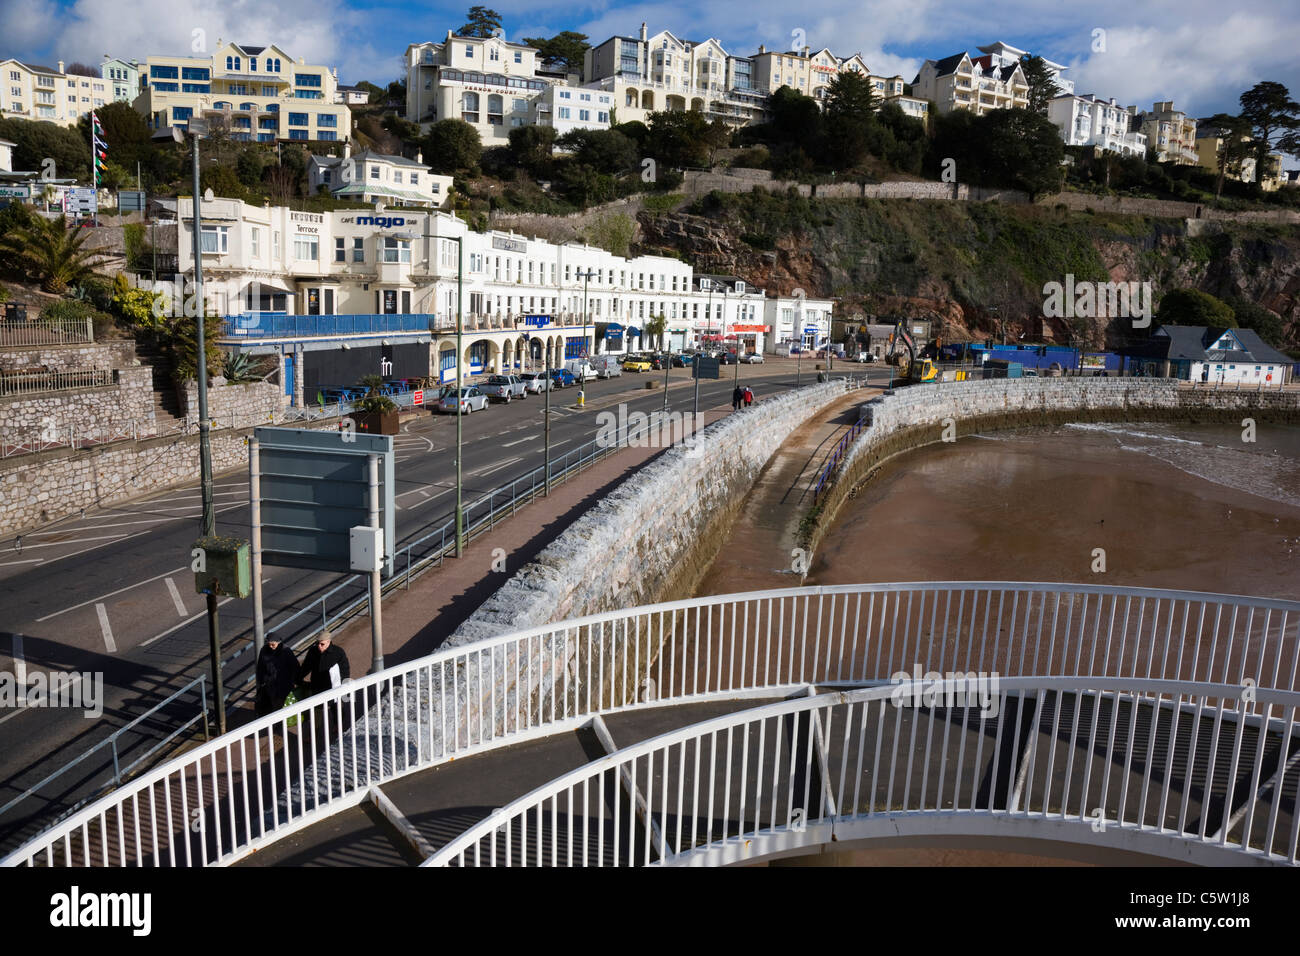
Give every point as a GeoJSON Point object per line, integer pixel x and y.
{"type": "Point", "coordinates": [307, 79]}
{"type": "Point", "coordinates": [196, 73]}
{"type": "Point", "coordinates": [297, 134]}
{"type": "Point", "coordinates": [327, 135]}
{"type": "Point", "coordinates": [182, 113]}
{"type": "Point", "coordinates": [266, 137]}
{"type": "Point", "coordinates": [164, 72]}
{"type": "Point", "coordinates": [196, 88]}
{"type": "Point", "coordinates": [165, 87]}
{"type": "Point", "coordinates": [573, 347]}
{"type": "Point", "coordinates": [327, 119]}
{"type": "Point", "coordinates": [299, 119]}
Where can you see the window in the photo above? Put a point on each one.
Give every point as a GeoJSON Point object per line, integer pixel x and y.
{"type": "Point", "coordinates": [268, 90]}
{"type": "Point", "coordinates": [397, 250]}
{"type": "Point", "coordinates": [295, 119]}
{"type": "Point", "coordinates": [193, 73]}
{"type": "Point", "coordinates": [494, 54]}
{"type": "Point", "coordinates": [519, 57]}
{"type": "Point", "coordinates": [565, 95]}
{"type": "Point", "coordinates": [247, 106]}
{"type": "Point", "coordinates": [195, 88]}
{"type": "Point", "coordinates": [161, 87]}
{"type": "Point", "coordinates": [275, 244]}
{"type": "Point", "coordinates": [358, 249]}
{"type": "Point", "coordinates": [256, 243]}
{"type": "Point", "coordinates": [306, 248]}
{"type": "Point", "coordinates": [519, 105]}
{"type": "Point", "coordinates": [215, 239]}
{"type": "Point", "coordinates": [307, 79]}
{"type": "Point", "coordinates": [340, 249]}
{"type": "Point", "coordinates": [162, 73]}
{"type": "Point", "coordinates": [415, 181]}
{"type": "Point", "coordinates": [374, 172]}
{"type": "Point", "coordinates": [273, 66]}
{"type": "Point", "coordinates": [328, 120]}
{"type": "Point", "coordinates": [564, 112]}
{"type": "Point", "coordinates": [469, 107]}
{"type": "Point", "coordinates": [495, 109]}
{"type": "Point", "coordinates": [298, 134]}
{"type": "Point", "coordinates": [469, 51]}
{"type": "Point", "coordinates": [252, 64]}
{"type": "Point", "coordinates": [602, 117]}
{"type": "Point", "coordinates": [584, 115]}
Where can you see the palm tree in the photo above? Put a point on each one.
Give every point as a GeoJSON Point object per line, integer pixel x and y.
{"type": "Point", "coordinates": [51, 253]}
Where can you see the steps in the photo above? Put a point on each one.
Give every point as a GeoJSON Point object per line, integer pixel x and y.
{"type": "Point", "coordinates": [168, 413]}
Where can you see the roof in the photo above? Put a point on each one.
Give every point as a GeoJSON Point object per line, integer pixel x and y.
{"type": "Point", "coordinates": [37, 68]}
{"type": "Point", "coordinates": [374, 189]}
{"type": "Point", "coordinates": [369, 154]}
{"type": "Point", "coordinates": [1190, 343]}
{"type": "Point", "coordinates": [250, 50]}
{"type": "Point", "coordinates": [948, 64]}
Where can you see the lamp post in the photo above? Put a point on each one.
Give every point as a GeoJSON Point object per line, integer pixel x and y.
{"type": "Point", "coordinates": [460, 412]}
{"type": "Point", "coordinates": [585, 276]}
{"type": "Point", "coordinates": [197, 129]}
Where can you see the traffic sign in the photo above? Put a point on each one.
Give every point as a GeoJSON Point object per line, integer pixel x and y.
{"type": "Point", "coordinates": [418, 397]}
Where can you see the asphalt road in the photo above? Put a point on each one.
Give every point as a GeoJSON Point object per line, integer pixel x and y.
{"type": "Point", "coordinates": [112, 592]}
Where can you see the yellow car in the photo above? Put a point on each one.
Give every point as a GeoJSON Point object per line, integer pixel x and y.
{"type": "Point", "coordinates": [636, 365]}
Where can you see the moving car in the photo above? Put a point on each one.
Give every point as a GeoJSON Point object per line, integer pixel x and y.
{"type": "Point", "coordinates": [502, 388]}
{"type": "Point", "coordinates": [535, 382]}
{"type": "Point", "coordinates": [470, 400]}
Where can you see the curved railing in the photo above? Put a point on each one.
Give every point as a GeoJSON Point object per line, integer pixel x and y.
{"type": "Point", "coordinates": [240, 792]}
{"type": "Point", "coordinates": [1160, 768]}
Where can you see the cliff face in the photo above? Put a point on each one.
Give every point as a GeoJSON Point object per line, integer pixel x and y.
{"type": "Point", "coordinates": [976, 265]}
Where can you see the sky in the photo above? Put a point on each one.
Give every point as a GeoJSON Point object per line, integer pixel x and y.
{"type": "Point", "coordinates": [1202, 54]}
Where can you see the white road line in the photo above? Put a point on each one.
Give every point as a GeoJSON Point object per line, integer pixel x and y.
{"type": "Point", "coordinates": [423, 492]}
{"type": "Point", "coordinates": [20, 669]}
{"type": "Point", "coordinates": [511, 444]}
{"type": "Point", "coordinates": [487, 471]}
{"type": "Point", "coordinates": [108, 631]}
{"type": "Point", "coordinates": [177, 627]}
{"type": "Point", "coordinates": [111, 593]}
{"type": "Point", "coordinates": [59, 544]}
{"type": "Point", "coordinates": [428, 499]}
{"type": "Point", "coordinates": [176, 598]}
{"type": "Point", "coordinates": [8, 564]}
{"type": "Point", "coordinates": [119, 524]}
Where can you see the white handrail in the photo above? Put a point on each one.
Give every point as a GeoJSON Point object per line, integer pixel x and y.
{"type": "Point", "coordinates": [252, 786]}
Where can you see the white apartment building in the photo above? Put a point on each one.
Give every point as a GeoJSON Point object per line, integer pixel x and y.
{"type": "Point", "coordinates": [1170, 132]}
{"type": "Point", "coordinates": [261, 92]}
{"type": "Point", "coordinates": [797, 322]}
{"type": "Point", "coordinates": [1090, 121]}
{"type": "Point", "coordinates": [488, 82]}
{"type": "Point", "coordinates": [123, 78]}
{"type": "Point", "coordinates": [372, 177]}
{"type": "Point", "coordinates": [983, 84]}
{"type": "Point", "coordinates": [280, 275]}
{"type": "Point", "coordinates": [32, 92]}
{"type": "Point", "coordinates": [568, 108]}
{"type": "Point", "coordinates": [351, 96]}
{"type": "Point", "coordinates": [6, 156]}
{"type": "Point", "coordinates": [1003, 55]}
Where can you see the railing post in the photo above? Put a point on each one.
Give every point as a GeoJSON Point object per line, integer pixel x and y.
{"type": "Point", "coordinates": [117, 770]}
{"type": "Point", "coordinates": [203, 702]}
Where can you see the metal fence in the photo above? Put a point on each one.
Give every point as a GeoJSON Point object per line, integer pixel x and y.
{"type": "Point", "coordinates": [1152, 763]}
{"type": "Point", "coordinates": [836, 456]}
{"type": "Point", "coordinates": [287, 770]}
{"type": "Point", "coordinates": [37, 438]}
{"type": "Point", "coordinates": [53, 380]}
{"type": "Point", "coordinates": [45, 331]}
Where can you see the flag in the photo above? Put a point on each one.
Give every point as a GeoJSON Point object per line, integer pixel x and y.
{"type": "Point", "coordinates": [99, 149]}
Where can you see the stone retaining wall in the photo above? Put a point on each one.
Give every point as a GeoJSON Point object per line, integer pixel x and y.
{"type": "Point", "coordinates": [99, 355]}
{"type": "Point", "coordinates": [254, 403]}
{"type": "Point", "coordinates": [96, 414]}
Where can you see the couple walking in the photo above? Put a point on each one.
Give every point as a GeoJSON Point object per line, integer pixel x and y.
{"type": "Point", "coordinates": [741, 396]}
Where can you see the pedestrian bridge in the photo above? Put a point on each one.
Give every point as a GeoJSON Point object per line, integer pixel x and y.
{"type": "Point", "coordinates": [1110, 724]}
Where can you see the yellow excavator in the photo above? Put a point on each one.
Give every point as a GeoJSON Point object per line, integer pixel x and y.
{"type": "Point", "coordinates": [901, 353]}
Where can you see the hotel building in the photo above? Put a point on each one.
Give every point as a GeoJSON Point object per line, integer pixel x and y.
{"type": "Point", "coordinates": [32, 92]}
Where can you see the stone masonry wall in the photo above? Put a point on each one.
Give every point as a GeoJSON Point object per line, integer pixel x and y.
{"type": "Point", "coordinates": [255, 403]}
{"type": "Point", "coordinates": [100, 355]}
{"type": "Point", "coordinates": [95, 414]}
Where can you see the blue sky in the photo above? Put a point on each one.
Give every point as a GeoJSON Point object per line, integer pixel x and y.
{"type": "Point", "coordinates": [1200, 53]}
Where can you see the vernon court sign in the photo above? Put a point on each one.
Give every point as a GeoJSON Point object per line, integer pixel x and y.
{"type": "Point", "coordinates": [1098, 300]}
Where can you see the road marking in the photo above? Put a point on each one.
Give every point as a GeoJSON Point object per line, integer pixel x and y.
{"type": "Point", "coordinates": [176, 598]}
{"type": "Point", "coordinates": [55, 544]}
{"type": "Point", "coordinates": [120, 524]}
{"type": "Point", "coordinates": [7, 564]}
{"type": "Point", "coordinates": [429, 498]}
{"type": "Point", "coordinates": [511, 444]}
{"type": "Point", "coordinates": [108, 631]}
{"type": "Point", "coordinates": [189, 620]}
{"type": "Point", "coordinates": [487, 471]}
{"type": "Point", "coordinates": [20, 669]}
{"type": "Point", "coordinates": [111, 593]}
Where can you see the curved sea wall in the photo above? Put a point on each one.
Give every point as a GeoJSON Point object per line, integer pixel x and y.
{"type": "Point", "coordinates": [927, 414]}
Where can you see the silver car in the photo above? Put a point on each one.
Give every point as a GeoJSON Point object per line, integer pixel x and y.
{"type": "Point", "coordinates": [753, 358]}
{"type": "Point", "coordinates": [471, 400]}
{"type": "Point", "coordinates": [535, 382]}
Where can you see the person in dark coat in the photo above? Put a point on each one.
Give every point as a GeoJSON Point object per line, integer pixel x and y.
{"type": "Point", "coordinates": [277, 671]}
{"type": "Point", "coordinates": [737, 396]}
{"type": "Point", "coordinates": [315, 670]}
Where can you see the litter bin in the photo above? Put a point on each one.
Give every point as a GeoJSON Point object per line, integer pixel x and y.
{"type": "Point", "coordinates": [15, 312]}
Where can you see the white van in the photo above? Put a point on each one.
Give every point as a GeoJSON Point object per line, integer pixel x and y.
{"type": "Point", "coordinates": [581, 369]}
{"type": "Point", "coordinates": [607, 366]}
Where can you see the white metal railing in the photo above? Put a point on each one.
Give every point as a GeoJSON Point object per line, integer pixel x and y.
{"type": "Point", "coordinates": [45, 331]}
{"type": "Point", "coordinates": [851, 765]}
{"type": "Point", "coordinates": [244, 790]}
{"type": "Point", "coordinates": [53, 380]}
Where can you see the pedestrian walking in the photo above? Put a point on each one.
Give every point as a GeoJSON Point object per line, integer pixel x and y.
{"type": "Point", "coordinates": [277, 671]}
{"type": "Point", "coordinates": [325, 666]}
{"type": "Point", "coordinates": [749, 396]}
{"type": "Point", "coordinates": [737, 396]}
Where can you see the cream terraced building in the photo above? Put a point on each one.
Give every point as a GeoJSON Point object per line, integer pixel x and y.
{"type": "Point", "coordinates": [279, 275]}
{"type": "Point", "coordinates": [980, 85]}
{"type": "Point", "coordinates": [33, 92]}
{"type": "Point", "coordinates": [260, 92]}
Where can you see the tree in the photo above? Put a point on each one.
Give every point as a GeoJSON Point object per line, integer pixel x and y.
{"type": "Point", "coordinates": [482, 23]}
{"type": "Point", "coordinates": [850, 95]}
{"type": "Point", "coordinates": [1274, 120]}
{"type": "Point", "coordinates": [567, 47]}
{"type": "Point", "coordinates": [374, 94]}
{"type": "Point", "coordinates": [403, 129]}
{"type": "Point", "coordinates": [250, 166]}
{"type": "Point", "coordinates": [223, 181]}
{"type": "Point", "coordinates": [655, 327]}
{"type": "Point", "coordinates": [1234, 146]}
{"type": "Point", "coordinates": [530, 146]}
{"type": "Point", "coordinates": [796, 118]}
{"type": "Point", "coordinates": [36, 142]}
{"type": "Point", "coordinates": [1043, 87]}
{"type": "Point", "coordinates": [605, 150]}
{"type": "Point", "coordinates": [685, 138]}
{"type": "Point", "coordinates": [1249, 315]}
{"type": "Point", "coordinates": [1194, 307]}
{"type": "Point", "coordinates": [850, 125]}
{"type": "Point", "coordinates": [281, 184]}
{"type": "Point", "coordinates": [452, 146]}
{"type": "Point", "coordinates": [50, 253]}
{"type": "Point", "coordinates": [82, 69]}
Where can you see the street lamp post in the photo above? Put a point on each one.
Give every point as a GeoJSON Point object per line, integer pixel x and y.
{"type": "Point", "coordinates": [197, 128]}
{"type": "Point", "coordinates": [460, 398]}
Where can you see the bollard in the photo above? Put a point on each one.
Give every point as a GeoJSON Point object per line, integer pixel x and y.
{"type": "Point", "coordinates": [582, 399]}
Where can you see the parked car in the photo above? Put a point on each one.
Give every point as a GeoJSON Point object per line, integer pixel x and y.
{"type": "Point", "coordinates": [683, 360]}
{"type": "Point", "coordinates": [638, 364]}
{"type": "Point", "coordinates": [580, 369]}
{"type": "Point", "coordinates": [503, 388]}
{"type": "Point", "coordinates": [535, 382]}
{"type": "Point", "coordinates": [1029, 373]}
{"type": "Point", "coordinates": [660, 362]}
{"type": "Point", "coordinates": [754, 358]}
{"type": "Point", "coordinates": [864, 357]}
{"type": "Point", "coordinates": [562, 378]}
{"type": "Point", "coordinates": [470, 400]}
{"type": "Point", "coordinates": [728, 358]}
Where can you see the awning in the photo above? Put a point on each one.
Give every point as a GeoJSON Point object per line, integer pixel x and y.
{"type": "Point", "coordinates": [633, 330]}
{"type": "Point", "coordinates": [613, 327]}
{"type": "Point", "coordinates": [370, 189]}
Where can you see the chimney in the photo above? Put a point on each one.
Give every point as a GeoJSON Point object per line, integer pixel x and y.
{"type": "Point", "coordinates": [419, 156]}
{"type": "Point", "coordinates": [761, 48]}
{"type": "Point", "coordinates": [61, 70]}
{"type": "Point", "coordinates": [347, 149]}
{"type": "Point", "coordinates": [643, 33]}
{"type": "Point", "coordinates": [807, 50]}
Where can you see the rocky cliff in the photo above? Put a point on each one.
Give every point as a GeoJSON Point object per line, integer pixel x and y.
{"type": "Point", "coordinates": [976, 265]}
